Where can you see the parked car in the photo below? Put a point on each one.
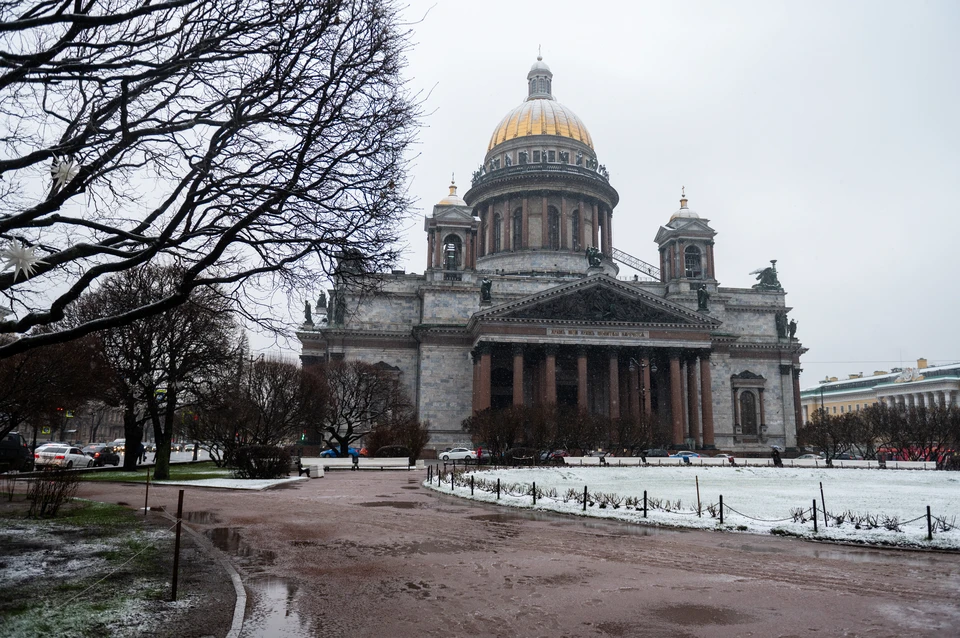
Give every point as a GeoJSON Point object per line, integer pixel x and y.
{"type": "Point", "coordinates": [848, 456]}
{"type": "Point", "coordinates": [555, 456]}
{"type": "Point", "coordinates": [102, 454]}
{"type": "Point", "coordinates": [329, 454]}
{"type": "Point", "coordinates": [15, 454]}
{"type": "Point", "coordinates": [723, 456]}
{"type": "Point", "coordinates": [459, 454]}
{"type": "Point", "coordinates": [684, 453]}
{"type": "Point", "coordinates": [188, 447]}
{"type": "Point", "coordinates": [62, 455]}
{"type": "Point", "coordinates": [810, 457]}
{"type": "Point", "coordinates": [656, 453]}
{"type": "Point", "coordinates": [118, 445]}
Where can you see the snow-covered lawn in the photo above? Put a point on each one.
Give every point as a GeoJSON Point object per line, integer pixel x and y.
{"type": "Point", "coordinates": [235, 484]}
{"type": "Point", "coordinates": [756, 499]}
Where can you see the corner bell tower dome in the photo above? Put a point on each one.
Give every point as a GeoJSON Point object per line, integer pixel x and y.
{"type": "Point", "coordinates": [540, 113]}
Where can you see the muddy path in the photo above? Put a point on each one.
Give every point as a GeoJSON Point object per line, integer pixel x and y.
{"type": "Point", "coordinates": [375, 554]}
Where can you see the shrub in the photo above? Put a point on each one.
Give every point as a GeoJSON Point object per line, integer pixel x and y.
{"type": "Point", "coordinates": [49, 490]}
{"type": "Point", "coordinates": [261, 462]}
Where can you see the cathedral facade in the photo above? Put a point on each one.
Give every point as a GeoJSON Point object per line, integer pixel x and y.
{"type": "Point", "coordinates": [523, 302]}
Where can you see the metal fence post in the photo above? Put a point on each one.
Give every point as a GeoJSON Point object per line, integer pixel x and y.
{"type": "Point", "coordinates": [176, 549]}
{"type": "Point", "coordinates": [471, 485]}
{"type": "Point", "coordinates": [498, 489]}
{"type": "Point", "coordinates": [929, 525]}
{"type": "Point", "coordinates": [584, 498]}
{"type": "Point", "coordinates": [721, 509]}
{"type": "Point", "coordinates": [534, 492]}
{"type": "Point", "coordinates": [814, 515]}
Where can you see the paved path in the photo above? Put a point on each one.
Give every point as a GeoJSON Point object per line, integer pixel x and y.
{"type": "Point", "coordinates": [375, 554]}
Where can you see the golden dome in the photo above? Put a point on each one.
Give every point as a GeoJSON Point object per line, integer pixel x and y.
{"type": "Point", "coordinates": [540, 116]}
{"type": "Point", "coordinates": [452, 199]}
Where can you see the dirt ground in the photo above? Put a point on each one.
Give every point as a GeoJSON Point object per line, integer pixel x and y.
{"type": "Point", "coordinates": [376, 554]}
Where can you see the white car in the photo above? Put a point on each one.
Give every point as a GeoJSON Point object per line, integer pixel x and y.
{"type": "Point", "coordinates": [458, 454]}
{"type": "Point", "coordinates": [62, 455]}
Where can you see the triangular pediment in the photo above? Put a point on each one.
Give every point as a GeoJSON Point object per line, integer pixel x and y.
{"type": "Point", "coordinates": [685, 227]}
{"type": "Point", "coordinates": [453, 214]}
{"type": "Point", "coordinates": [600, 298]}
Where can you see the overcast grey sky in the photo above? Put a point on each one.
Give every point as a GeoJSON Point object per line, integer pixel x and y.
{"type": "Point", "coordinates": [821, 134]}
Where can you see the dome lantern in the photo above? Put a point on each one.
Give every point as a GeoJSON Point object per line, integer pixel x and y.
{"type": "Point", "coordinates": [539, 81]}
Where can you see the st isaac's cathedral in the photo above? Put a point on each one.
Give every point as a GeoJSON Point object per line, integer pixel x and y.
{"type": "Point", "coordinates": [521, 303]}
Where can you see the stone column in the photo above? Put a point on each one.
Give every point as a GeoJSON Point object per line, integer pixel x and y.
{"type": "Point", "coordinates": [518, 375]}
{"type": "Point", "coordinates": [437, 249]}
{"type": "Point", "coordinates": [582, 378]}
{"type": "Point", "coordinates": [676, 399]}
{"type": "Point", "coordinates": [595, 226]}
{"type": "Point", "coordinates": [797, 408]}
{"type": "Point", "coordinates": [551, 395]}
{"type": "Point", "coordinates": [634, 392]}
{"type": "Point", "coordinates": [507, 232]}
{"type": "Point", "coordinates": [491, 220]}
{"type": "Point", "coordinates": [484, 377]}
{"type": "Point", "coordinates": [609, 229]}
{"type": "Point", "coordinates": [693, 401]}
{"type": "Point", "coordinates": [430, 250]}
{"type": "Point", "coordinates": [582, 238]}
{"type": "Point", "coordinates": [563, 221]}
{"type": "Point", "coordinates": [706, 402]}
{"type": "Point", "coordinates": [544, 225]}
{"type": "Point", "coordinates": [614, 383]}
{"type": "Point", "coordinates": [763, 414]}
{"type": "Point", "coordinates": [525, 224]}
{"type": "Point", "coordinates": [476, 379]}
{"type": "Point", "coordinates": [647, 394]}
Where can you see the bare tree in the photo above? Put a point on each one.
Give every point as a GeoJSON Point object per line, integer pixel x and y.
{"type": "Point", "coordinates": [356, 397]}
{"type": "Point", "coordinates": [159, 361]}
{"type": "Point", "coordinates": [34, 384]}
{"type": "Point", "coordinates": [251, 143]}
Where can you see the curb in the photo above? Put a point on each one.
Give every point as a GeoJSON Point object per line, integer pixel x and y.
{"type": "Point", "coordinates": [241, 604]}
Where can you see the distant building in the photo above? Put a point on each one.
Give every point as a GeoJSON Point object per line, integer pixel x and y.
{"type": "Point", "coordinates": [908, 387]}
{"type": "Point", "coordinates": [521, 304]}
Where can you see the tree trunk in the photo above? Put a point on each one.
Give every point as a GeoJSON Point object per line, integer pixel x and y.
{"type": "Point", "coordinates": [133, 437]}
{"type": "Point", "coordinates": [162, 470]}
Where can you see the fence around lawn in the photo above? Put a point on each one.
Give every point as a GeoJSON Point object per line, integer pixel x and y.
{"type": "Point", "coordinates": [705, 461]}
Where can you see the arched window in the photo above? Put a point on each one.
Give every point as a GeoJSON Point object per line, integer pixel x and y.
{"type": "Point", "coordinates": [693, 265]}
{"type": "Point", "coordinates": [748, 412]}
{"type": "Point", "coordinates": [517, 240]}
{"type": "Point", "coordinates": [576, 229]}
{"type": "Point", "coordinates": [533, 85]}
{"type": "Point", "coordinates": [497, 233]}
{"type": "Point", "coordinates": [541, 85]}
{"type": "Point", "coordinates": [452, 253]}
{"type": "Point", "coordinates": [553, 228]}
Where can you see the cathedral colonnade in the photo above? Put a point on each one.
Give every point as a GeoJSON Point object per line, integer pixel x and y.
{"type": "Point", "coordinates": [671, 386]}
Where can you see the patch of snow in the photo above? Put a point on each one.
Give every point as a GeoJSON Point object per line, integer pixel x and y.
{"type": "Point", "coordinates": [756, 499]}
{"type": "Point", "coordinates": [235, 484]}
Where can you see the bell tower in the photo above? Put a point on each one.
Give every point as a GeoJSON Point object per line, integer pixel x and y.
{"type": "Point", "coordinates": [686, 251]}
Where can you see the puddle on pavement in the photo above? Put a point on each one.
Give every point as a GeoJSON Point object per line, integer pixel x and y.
{"type": "Point", "coordinates": [848, 555]}
{"type": "Point", "coordinates": [608, 528]}
{"type": "Point", "coordinates": [274, 612]}
{"type": "Point", "coordinates": [700, 615]}
{"type": "Point", "coordinates": [403, 505]}
{"type": "Point", "coordinates": [201, 518]}
{"type": "Point", "coordinates": [227, 539]}
{"type": "Point", "coordinates": [408, 487]}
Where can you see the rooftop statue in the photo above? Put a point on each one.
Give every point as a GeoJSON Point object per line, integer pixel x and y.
{"type": "Point", "coordinates": [593, 256]}
{"type": "Point", "coordinates": [703, 297]}
{"type": "Point", "coordinates": [767, 277]}
{"type": "Point", "coordinates": [307, 314]}
{"type": "Point", "coordinates": [485, 285]}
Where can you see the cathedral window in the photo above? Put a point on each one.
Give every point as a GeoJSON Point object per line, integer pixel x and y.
{"type": "Point", "coordinates": [517, 240]}
{"type": "Point", "coordinates": [497, 233]}
{"type": "Point", "coordinates": [541, 84]}
{"type": "Point", "coordinates": [576, 229]}
{"type": "Point", "coordinates": [452, 253]}
{"type": "Point", "coordinates": [551, 156]}
{"type": "Point", "coordinates": [692, 263]}
{"type": "Point", "coordinates": [748, 412]}
{"type": "Point", "coordinates": [522, 157]}
{"type": "Point", "coordinates": [554, 228]}
{"type": "Point", "coordinates": [565, 157]}
{"type": "Point", "coordinates": [533, 85]}
{"type": "Point", "coordinates": [536, 156]}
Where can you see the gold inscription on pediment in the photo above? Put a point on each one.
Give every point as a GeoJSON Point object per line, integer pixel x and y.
{"type": "Point", "coordinates": [615, 334]}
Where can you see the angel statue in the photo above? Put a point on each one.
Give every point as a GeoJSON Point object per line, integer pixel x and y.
{"type": "Point", "coordinates": [767, 277]}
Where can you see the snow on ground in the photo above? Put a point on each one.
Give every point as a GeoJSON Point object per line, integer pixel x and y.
{"type": "Point", "coordinates": [235, 484]}
{"type": "Point", "coordinates": [749, 494]}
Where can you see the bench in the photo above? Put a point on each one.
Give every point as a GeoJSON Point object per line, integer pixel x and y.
{"type": "Point", "coordinates": [364, 463]}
